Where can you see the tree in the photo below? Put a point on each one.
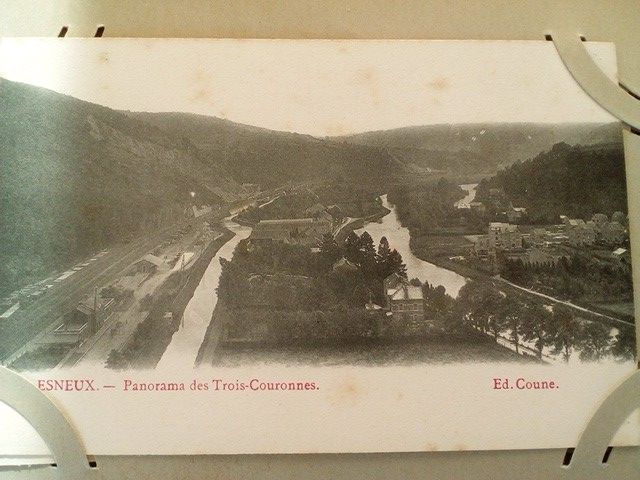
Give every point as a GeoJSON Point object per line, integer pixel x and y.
{"type": "Point", "coordinates": [497, 319]}
{"type": "Point", "coordinates": [482, 306]}
{"type": "Point", "coordinates": [329, 249]}
{"type": "Point", "coordinates": [233, 284]}
{"type": "Point", "coordinates": [395, 264]}
{"type": "Point", "coordinates": [367, 252]}
{"type": "Point", "coordinates": [360, 295]}
{"type": "Point", "coordinates": [563, 331]}
{"type": "Point", "coordinates": [619, 217]}
{"type": "Point", "coordinates": [594, 340]}
{"type": "Point", "coordinates": [512, 312]}
{"type": "Point", "coordinates": [383, 252]}
{"type": "Point", "coordinates": [535, 324]}
{"type": "Point", "coordinates": [352, 248]}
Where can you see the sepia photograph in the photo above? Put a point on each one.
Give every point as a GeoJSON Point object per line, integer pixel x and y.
{"type": "Point", "coordinates": [180, 206]}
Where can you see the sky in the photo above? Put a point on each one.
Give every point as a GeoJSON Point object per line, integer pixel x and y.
{"type": "Point", "coordinates": [318, 87]}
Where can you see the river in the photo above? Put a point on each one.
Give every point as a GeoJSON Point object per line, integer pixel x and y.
{"type": "Point", "coordinates": [398, 237]}
{"type": "Point", "coordinates": [470, 188]}
{"type": "Point", "coordinates": [186, 342]}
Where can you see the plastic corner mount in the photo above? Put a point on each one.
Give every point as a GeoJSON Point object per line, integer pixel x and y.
{"type": "Point", "coordinates": [593, 81]}
{"type": "Point", "coordinates": [50, 423]}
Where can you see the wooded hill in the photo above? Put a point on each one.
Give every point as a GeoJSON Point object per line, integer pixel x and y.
{"type": "Point", "coordinates": [270, 158]}
{"type": "Point", "coordinates": [575, 181]}
{"type": "Point", "coordinates": [467, 149]}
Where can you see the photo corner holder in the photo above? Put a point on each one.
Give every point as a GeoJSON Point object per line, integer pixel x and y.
{"type": "Point", "coordinates": [617, 100]}
{"type": "Point", "coordinates": [51, 425]}
{"type": "Point", "coordinates": [587, 458]}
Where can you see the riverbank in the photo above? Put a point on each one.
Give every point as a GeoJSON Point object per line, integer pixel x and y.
{"type": "Point", "coordinates": [150, 340]}
{"type": "Point", "coordinates": [423, 248]}
{"type": "Point", "coordinates": [358, 223]}
{"type": "Point", "coordinates": [187, 340]}
{"type": "Point", "coordinates": [209, 346]}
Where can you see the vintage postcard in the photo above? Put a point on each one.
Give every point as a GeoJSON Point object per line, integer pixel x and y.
{"type": "Point", "coordinates": [261, 246]}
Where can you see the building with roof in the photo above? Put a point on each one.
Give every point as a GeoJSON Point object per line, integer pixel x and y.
{"type": "Point", "coordinates": [597, 230]}
{"type": "Point", "coordinates": [150, 264]}
{"type": "Point", "coordinates": [199, 212]}
{"type": "Point", "coordinates": [515, 214]}
{"type": "Point", "coordinates": [504, 236]}
{"type": "Point", "coordinates": [295, 231]}
{"type": "Point", "coordinates": [481, 246]}
{"type": "Point", "coordinates": [344, 264]}
{"type": "Point", "coordinates": [81, 323]}
{"type": "Point", "coordinates": [318, 212]}
{"type": "Point", "coordinates": [622, 256]}
{"type": "Point", "coordinates": [579, 232]}
{"type": "Point", "coordinates": [538, 257]}
{"type": "Point", "coordinates": [404, 301]}
{"type": "Point", "coordinates": [478, 207]}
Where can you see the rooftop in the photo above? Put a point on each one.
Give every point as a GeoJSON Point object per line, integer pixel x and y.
{"type": "Point", "coordinates": [405, 292]}
{"type": "Point", "coordinates": [153, 260]}
{"type": "Point", "coordinates": [503, 227]}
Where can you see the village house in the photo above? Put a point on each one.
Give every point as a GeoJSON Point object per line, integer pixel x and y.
{"type": "Point", "coordinates": [318, 212]}
{"type": "Point", "coordinates": [199, 212]}
{"type": "Point", "coordinates": [547, 237]}
{"type": "Point", "coordinates": [478, 207]}
{"type": "Point", "coordinates": [82, 323]}
{"type": "Point", "coordinates": [515, 214]}
{"type": "Point", "coordinates": [344, 265]}
{"type": "Point", "coordinates": [404, 301]}
{"type": "Point", "coordinates": [150, 264]}
{"type": "Point", "coordinates": [295, 231]}
{"type": "Point", "coordinates": [504, 236]}
{"type": "Point", "coordinates": [539, 257]}
{"type": "Point", "coordinates": [579, 232]}
{"type": "Point", "coordinates": [622, 257]}
{"type": "Point", "coordinates": [481, 246]}
{"type": "Point", "coordinates": [597, 230]}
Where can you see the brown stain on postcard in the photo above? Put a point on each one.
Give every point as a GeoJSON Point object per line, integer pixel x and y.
{"type": "Point", "coordinates": [368, 78]}
{"type": "Point", "coordinates": [440, 84]}
{"type": "Point", "coordinates": [347, 392]}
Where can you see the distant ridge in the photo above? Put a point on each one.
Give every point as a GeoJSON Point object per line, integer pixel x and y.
{"type": "Point", "coordinates": [483, 147]}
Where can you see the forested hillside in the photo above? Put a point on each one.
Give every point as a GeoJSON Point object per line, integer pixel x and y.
{"type": "Point", "coordinates": [269, 158]}
{"type": "Point", "coordinates": [467, 149]}
{"type": "Point", "coordinates": [574, 181]}
{"type": "Point", "coordinates": [78, 177]}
